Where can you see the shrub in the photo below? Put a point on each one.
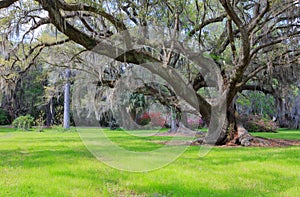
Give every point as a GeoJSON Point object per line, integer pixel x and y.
{"type": "Point", "coordinates": [255, 123]}
{"type": "Point", "coordinates": [4, 117]}
{"type": "Point", "coordinates": [23, 122]}
{"type": "Point", "coordinates": [157, 120]}
{"type": "Point", "coordinates": [154, 119]}
{"type": "Point", "coordinates": [195, 123]}
{"type": "Point", "coordinates": [144, 119]}
{"type": "Point", "coordinates": [40, 122]}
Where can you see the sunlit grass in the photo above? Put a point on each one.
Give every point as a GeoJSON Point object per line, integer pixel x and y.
{"type": "Point", "coordinates": [281, 134]}
{"type": "Point", "coordinates": [53, 163]}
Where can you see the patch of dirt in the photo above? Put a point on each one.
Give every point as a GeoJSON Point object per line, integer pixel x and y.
{"type": "Point", "coordinates": [265, 142]}
{"type": "Point", "coordinates": [255, 142]}
{"type": "Point", "coordinates": [181, 134]}
{"type": "Point", "coordinates": [174, 142]}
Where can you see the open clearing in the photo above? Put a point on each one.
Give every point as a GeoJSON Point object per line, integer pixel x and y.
{"type": "Point", "coordinates": [56, 163]}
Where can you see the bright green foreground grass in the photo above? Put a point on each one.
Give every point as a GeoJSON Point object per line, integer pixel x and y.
{"type": "Point", "coordinates": [56, 163]}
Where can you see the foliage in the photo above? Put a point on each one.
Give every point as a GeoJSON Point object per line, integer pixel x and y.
{"type": "Point", "coordinates": [137, 102]}
{"type": "Point", "coordinates": [23, 122]}
{"type": "Point", "coordinates": [144, 119]}
{"type": "Point", "coordinates": [40, 122]}
{"type": "Point", "coordinates": [254, 102]}
{"type": "Point", "coordinates": [255, 123]}
{"type": "Point", "coordinates": [4, 117]}
{"type": "Point", "coordinates": [59, 112]}
{"type": "Point", "coordinates": [29, 85]}
{"type": "Point", "coordinates": [155, 119]}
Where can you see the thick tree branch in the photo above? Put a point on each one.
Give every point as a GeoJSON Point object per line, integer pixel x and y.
{"type": "Point", "coordinates": [41, 22]}
{"type": "Point", "coordinates": [231, 39]}
{"type": "Point", "coordinates": [81, 7]}
{"type": "Point", "coordinates": [125, 9]}
{"type": "Point", "coordinates": [165, 98]}
{"type": "Point", "coordinates": [251, 75]}
{"type": "Point", "coordinates": [6, 3]}
{"type": "Point", "coordinates": [256, 88]}
{"type": "Point", "coordinates": [207, 22]}
{"type": "Point", "coordinates": [199, 82]}
{"type": "Point", "coordinates": [43, 45]}
{"type": "Point", "coordinates": [244, 56]}
{"type": "Point", "coordinates": [245, 49]}
{"type": "Point", "coordinates": [40, 48]}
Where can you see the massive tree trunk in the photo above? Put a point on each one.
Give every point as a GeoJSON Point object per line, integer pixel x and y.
{"type": "Point", "coordinates": [225, 128]}
{"type": "Point", "coordinates": [232, 132]}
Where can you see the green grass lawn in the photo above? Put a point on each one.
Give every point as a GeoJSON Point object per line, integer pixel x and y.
{"type": "Point", "coordinates": [281, 134]}
{"type": "Point", "coordinates": [56, 163]}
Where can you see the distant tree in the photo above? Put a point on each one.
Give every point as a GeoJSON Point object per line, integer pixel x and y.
{"type": "Point", "coordinates": [67, 99]}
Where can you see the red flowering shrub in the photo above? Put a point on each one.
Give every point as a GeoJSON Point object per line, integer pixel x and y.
{"type": "Point", "coordinates": [157, 120]}
{"type": "Point", "coordinates": [144, 119]}
{"type": "Point", "coordinates": [255, 123]}
{"type": "Point", "coordinates": [152, 118]}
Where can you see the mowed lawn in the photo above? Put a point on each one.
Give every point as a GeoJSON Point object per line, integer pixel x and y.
{"type": "Point", "coordinates": [55, 163]}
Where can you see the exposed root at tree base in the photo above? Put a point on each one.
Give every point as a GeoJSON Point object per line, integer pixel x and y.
{"type": "Point", "coordinates": [265, 142]}
{"type": "Point", "coordinates": [258, 142]}
{"type": "Point", "coordinates": [254, 142]}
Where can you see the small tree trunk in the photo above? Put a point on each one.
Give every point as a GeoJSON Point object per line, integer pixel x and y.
{"type": "Point", "coordinates": [49, 113]}
{"type": "Point", "coordinates": [67, 100]}
{"type": "Point", "coordinates": [184, 119]}
{"type": "Point", "coordinates": [295, 115]}
{"type": "Point", "coordinates": [173, 121]}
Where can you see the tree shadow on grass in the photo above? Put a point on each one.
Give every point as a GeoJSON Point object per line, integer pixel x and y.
{"type": "Point", "coordinates": [41, 158]}
{"type": "Point", "coordinates": [7, 129]}
{"type": "Point", "coordinates": [233, 191]}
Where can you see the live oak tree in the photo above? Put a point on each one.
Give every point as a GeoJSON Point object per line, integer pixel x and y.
{"type": "Point", "coordinates": [246, 39]}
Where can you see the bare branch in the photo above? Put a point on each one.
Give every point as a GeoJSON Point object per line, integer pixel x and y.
{"type": "Point", "coordinates": [257, 19]}
{"type": "Point", "coordinates": [273, 42]}
{"type": "Point", "coordinates": [207, 22]}
{"type": "Point", "coordinates": [256, 88]}
{"type": "Point", "coordinates": [40, 48]}
{"type": "Point", "coordinates": [251, 75]}
{"type": "Point", "coordinates": [231, 39]}
{"type": "Point", "coordinates": [43, 45]}
{"type": "Point", "coordinates": [41, 22]}
{"type": "Point", "coordinates": [245, 49]}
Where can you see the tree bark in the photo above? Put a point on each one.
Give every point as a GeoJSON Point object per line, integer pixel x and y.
{"type": "Point", "coordinates": [49, 113]}
{"type": "Point", "coordinates": [173, 121]}
{"type": "Point", "coordinates": [67, 100]}
{"type": "Point", "coordinates": [231, 132]}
